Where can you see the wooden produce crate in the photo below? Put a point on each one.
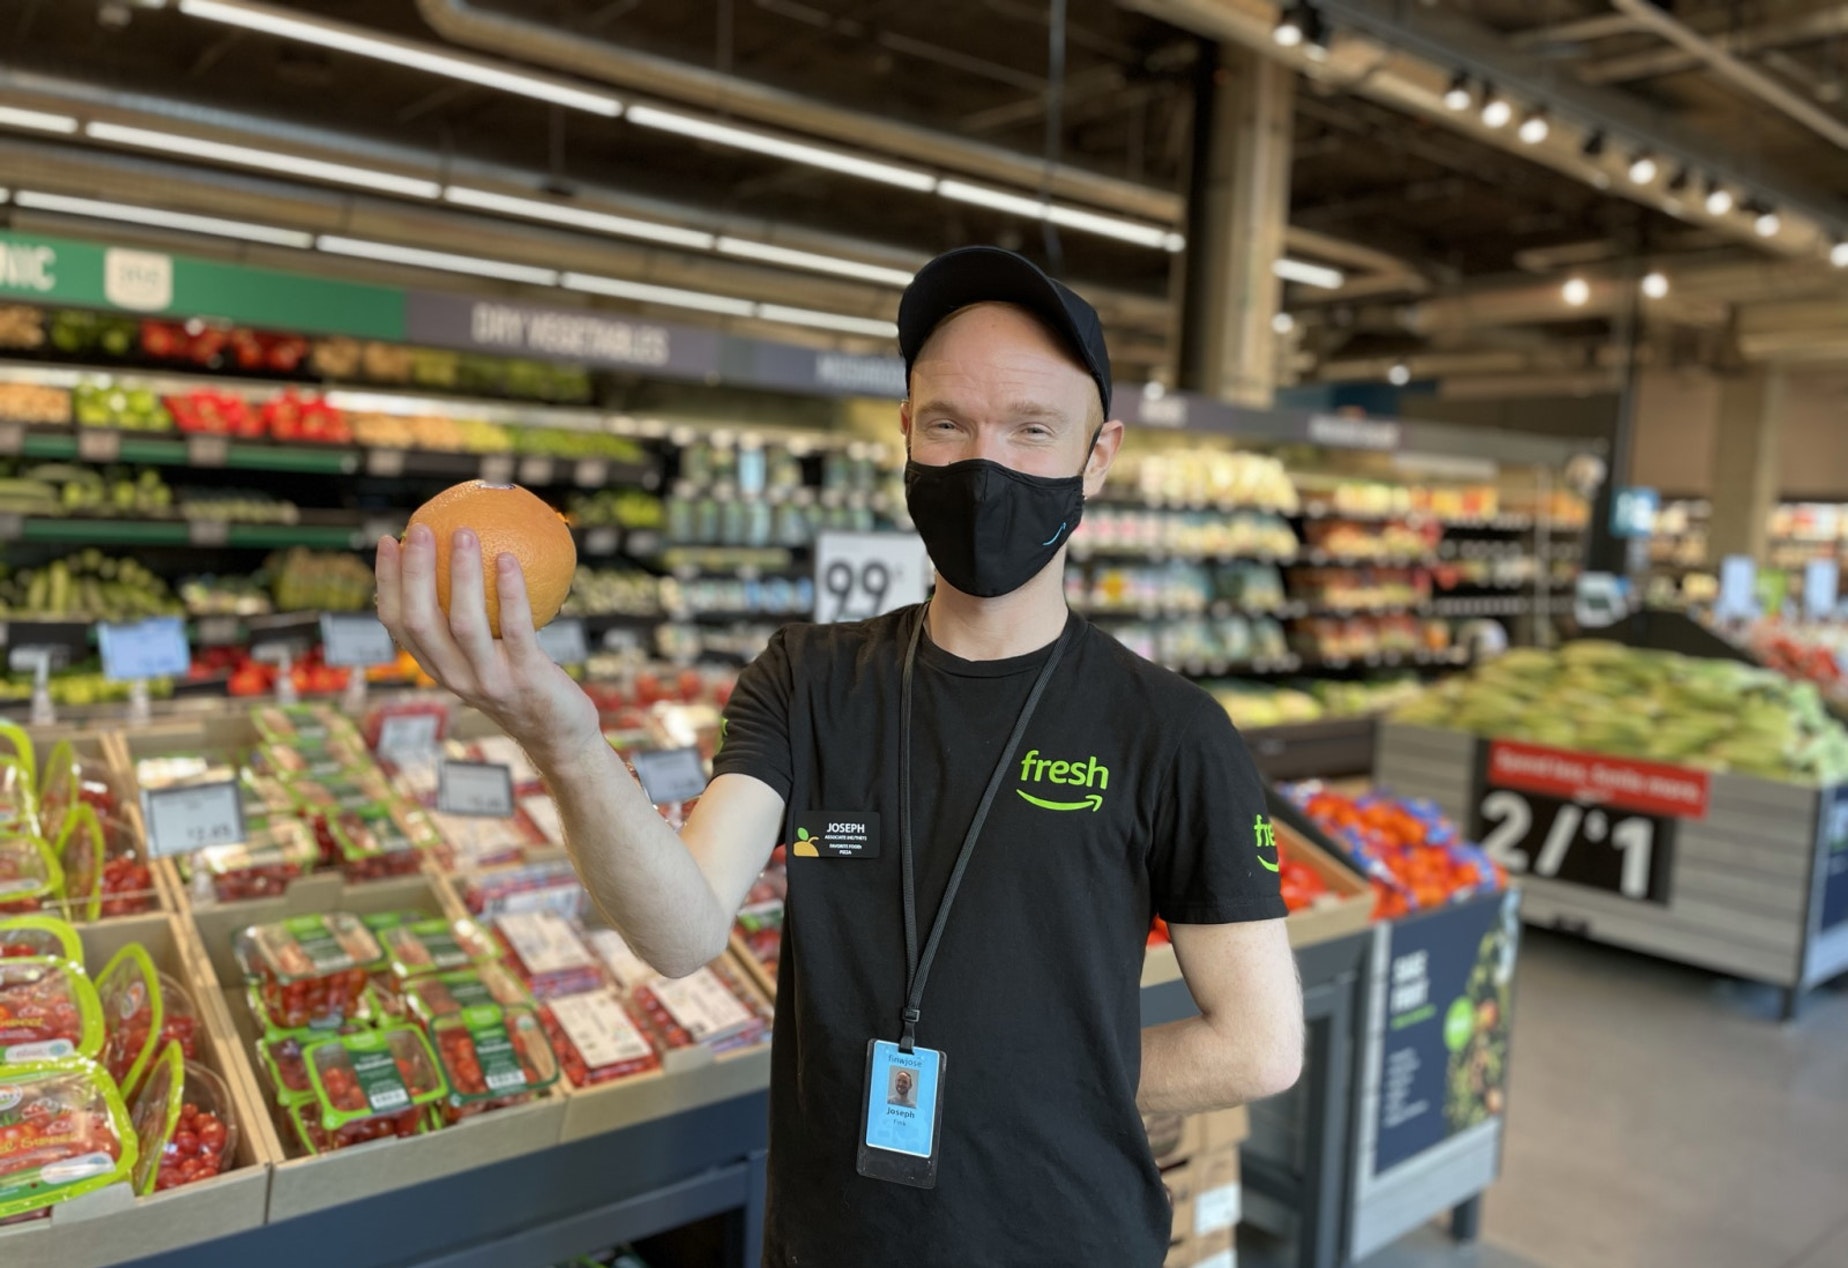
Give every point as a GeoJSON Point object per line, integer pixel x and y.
{"type": "Point", "coordinates": [1728, 872]}
{"type": "Point", "coordinates": [303, 1184]}
{"type": "Point", "coordinates": [112, 1225]}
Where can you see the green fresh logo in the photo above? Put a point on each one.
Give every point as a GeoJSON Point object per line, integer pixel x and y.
{"type": "Point", "coordinates": [724, 734]}
{"type": "Point", "coordinates": [1266, 839]}
{"type": "Point", "coordinates": [1087, 774]}
{"type": "Point", "coordinates": [1459, 1023]}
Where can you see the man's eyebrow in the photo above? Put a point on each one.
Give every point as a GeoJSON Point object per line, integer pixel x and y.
{"type": "Point", "coordinates": [1017, 410]}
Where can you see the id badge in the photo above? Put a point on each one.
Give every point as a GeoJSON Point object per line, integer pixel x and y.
{"type": "Point", "coordinates": [901, 1129]}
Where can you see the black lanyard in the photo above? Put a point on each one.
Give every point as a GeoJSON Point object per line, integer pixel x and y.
{"type": "Point", "coordinates": [919, 967]}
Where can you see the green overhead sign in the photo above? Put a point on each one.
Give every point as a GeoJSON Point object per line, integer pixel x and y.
{"type": "Point", "coordinates": [155, 283]}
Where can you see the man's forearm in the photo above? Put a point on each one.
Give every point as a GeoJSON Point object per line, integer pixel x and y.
{"type": "Point", "coordinates": [639, 873]}
{"type": "Point", "coordinates": [1188, 1067]}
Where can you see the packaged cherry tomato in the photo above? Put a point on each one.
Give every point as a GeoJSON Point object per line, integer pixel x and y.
{"type": "Point", "coordinates": [595, 1038]}
{"type": "Point", "coordinates": [134, 1011]}
{"type": "Point", "coordinates": [493, 1057]}
{"type": "Point", "coordinates": [444, 994]}
{"type": "Point", "coordinates": [548, 954]}
{"type": "Point", "coordinates": [304, 1117]}
{"type": "Point", "coordinates": [366, 1013]}
{"type": "Point", "coordinates": [625, 968]}
{"type": "Point", "coordinates": [79, 851]}
{"type": "Point", "coordinates": [184, 1124]}
{"type": "Point", "coordinates": [282, 1059]}
{"type": "Point", "coordinates": [369, 1085]}
{"type": "Point", "coordinates": [373, 845]}
{"type": "Point", "coordinates": [380, 921]}
{"type": "Point", "coordinates": [30, 878]}
{"type": "Point", "coordinates": [302, 725]}
{"type": "Point", "coordinates": [64, 1132]}
{"type": "Point", "coordinates": [711, 1007]}
{"type": "Point", "coordinates": [39, 936]}
{"type": "Point", "coordinates": [48, 1010]}
{"type": "Point", "coordinates": [437, 946]}
{"type": "Point", "coordinates": [309, 969]}
{"type": "Point", "coordinates": [276, 852]}
{"type": "Point", "coordinates": [18, 794]}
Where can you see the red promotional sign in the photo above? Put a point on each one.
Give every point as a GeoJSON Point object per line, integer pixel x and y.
{"type": "Point", "coordinates": [1620, 782]}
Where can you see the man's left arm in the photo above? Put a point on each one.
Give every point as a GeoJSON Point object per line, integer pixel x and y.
{"type": "Point", "coordinates": [1247, 1042]}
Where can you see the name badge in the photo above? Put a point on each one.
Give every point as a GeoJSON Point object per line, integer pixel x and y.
{"type": "Point", "coordinates": [903, 1123]}
{"type": "Point", "coordinates": [836, 834]}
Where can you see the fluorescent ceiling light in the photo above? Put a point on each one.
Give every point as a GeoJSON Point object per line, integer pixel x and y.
{"type": "Point", "coordinates": [794, 151]}
{"type": "Point", "coordinates": [1577, 292]}
{"type": "Point", "coordinates": [1143, 235]}
{"type": "Point", "coordinates": [999, 200]}
{"type": "Point", "coordinates": [267, 160]}
{"type": "Point", "coordinates": [579, 217]}
{"type": "Point", "coordinates": [129, 214]}
{"type": "Point", "coordinates": [14, 117]}
{"type": "Point", "coordinates": [417, 257]}
{"type": "Point", "coordinates": [642, 292]}
{"type": "Point", "coordinates": [748, 250]}
{"type": "Point", "coordinates": [1309, 274]}
{"type": "Point", "coordinates": [349, 39]}
{"type": "Point", "coordinates": [827, 321]}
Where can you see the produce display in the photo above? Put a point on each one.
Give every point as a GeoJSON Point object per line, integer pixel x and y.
{"type": "Point", "coordinates": [309, 970]}
{"type": "Point", "coordinates": [1254, 705]}
{"type": "Point", "coordinates": [1206, 477]}
{"type": "Point", "coordinates": [1413, 856]}
{"type": "Point", "coordinates": [86, 585]}
{"type": "Point", "coordinates": [1807, 651]}
{"type": "Point", "coordinates": [367, 1086]}
{"type": "Point", "coordinates": [1606, 698]}
{"type": "Point", "coordinates": [1217, 534]}
{"type": "Point", "coordinates": [64, 1132]}
{"type": "Point", "coordinates": [493, 1057]}
{"type": "Point", "coordinates": [184, 1122]}
{"type": "Point", "coordinates": [507, 520]}
{"type": "Point", "coordinates": [48, 1010]}
{"type": "Point", "coordinates": [595, 1038]}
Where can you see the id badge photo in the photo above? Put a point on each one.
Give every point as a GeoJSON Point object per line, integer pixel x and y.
{"type": "Point", "coordinates": [901, 1130]}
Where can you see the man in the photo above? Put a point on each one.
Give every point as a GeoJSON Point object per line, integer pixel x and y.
{"type": "Point", "coordinates": [1014, 795]}
{"type": "Point", "coordinates": [902, 1090]}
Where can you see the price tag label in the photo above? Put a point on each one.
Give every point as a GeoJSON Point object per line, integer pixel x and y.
{"type": "Point", "coordinates": [154, 648]}
{"type": "Point", "coordinates": [12, 527]}
{"type": "Point", "coordinates": [671, 775]}
{"type": "Point", "coordinates": [208, 532]}
{"type": "Point", "coordinates": [601, 541]}
{"type": "Point", "coordinates": [862, 575]}
{"type": "Point", "coordinates": [349, 638]}
{"type": "Point", "coordinates": [12, 437]}
{"type": "Point", "coordinates": [536, 470]}
{"type": "Point", "coordinates": [219, 631]}
{"type": "Point", "coordinates": [407, 737]}
{"type": "Point", "coordinates": [563, 641]}
{"type": "Point", "coordinates": [1590, 845]}
{"type": "Point", "coordinates": [388, 463]}
{"type": "Point", "coordinates": [590, 473]}
{"type": "Point", "coordinates": [497, 468]}
{"type": "Point", "coordinates": [208, 451]}
{"type": "Point", "coordinates": [191, 817]}
{"type": "Point", "coordinates": [94, 445]}
{"type": "Point", "coordinates": [1822, 579]}
{"type": "Point", "coordinates": [1738, 599]}
{"type": "Point", "coordinates": [481, 789]}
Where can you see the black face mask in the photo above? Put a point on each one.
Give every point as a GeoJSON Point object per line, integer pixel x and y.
{"type": "Point", "coordinates": [990, 529]}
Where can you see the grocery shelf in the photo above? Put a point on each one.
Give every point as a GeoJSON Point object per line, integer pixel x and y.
{"type": "Point", "coordinates": [1158, 554]}
{"type": "Point", "coordinates": [1322, 558]}
{"type": "Point", "coordinates": [177, 532]}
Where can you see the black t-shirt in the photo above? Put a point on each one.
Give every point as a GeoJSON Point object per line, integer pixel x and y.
{"type": "Point", "coordinates": [1131, 794]}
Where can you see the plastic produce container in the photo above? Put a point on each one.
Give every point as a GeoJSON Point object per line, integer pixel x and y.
{"type": "Point", "coordinates": [309, 970]}
{"type": "Point", "coordinates": [129, 991]}
{"type": "Point", "coordinates": [375, 842]}
{"type": "Point", "coordinates": [710, 1007]}
{"type": "Point", "coordinates": [48, 1010]}
{"type": "Point", "coordinates": [64, 1132]}
{"type": "Point", "coordinates": [368, 1086]}
{"type": "Point", "coordinates": [493, 1057]}
{"type": "Point", "coordinates": [548, 954]}
{"type": "Point", "coordinates": [184, 1122]}
{"type": "Point", "coordinates": [277, 852]}
{"type": "Point", "coordinates": [437, 995]}
{"type": "Point", "coordinates": [30, 877]}
{"type": "Point", "coordinates": [38, 935]}
{"type": "Point", "coordinates": [595, 1038]}
{"type": "Point", "coordinates": [437, 946]}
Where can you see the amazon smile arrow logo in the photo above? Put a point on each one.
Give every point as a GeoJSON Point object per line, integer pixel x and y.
{"type": "Point", "coordinates": [1092, 803]}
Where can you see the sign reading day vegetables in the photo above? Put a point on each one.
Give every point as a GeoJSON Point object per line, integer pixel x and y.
{"type": "Point", "coordinates": [1444, 1051]}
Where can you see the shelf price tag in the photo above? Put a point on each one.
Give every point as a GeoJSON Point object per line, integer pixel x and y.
{"type": "Point", "coordinates": [208, 451]}
{"type": "Point", "coordinates": [12, 437]}
{"type": "Point", "coordinates": [1822, 579]}
{"type": "Point", "coordinates": [535, 470]}
{"type": "Point", "coordinates": [480, 789]}
{"type": "Point", "coordinates": [388, 463]}
{"type": "Point", "coordinates": [590, 473]}
{"type": "Point", "coordinates": [1738, 599]}
{"type": "Point", "coordinates": [12, 527]}
{"type": "Point", "coordinates": [208, 532]}
{"type": "Point", "coordinates": [601, 541]}
{"type": "Point", "coordinates": [154, 648]}
{"type": "Point", "coordinates": [863, 575]}
{"type": "Point", "coordinates": [354, 638]}
{"type": "Point", "coordinates": [563, 640]}
{"type": "Point", "coordinates": [497, 468]}
{"type": "Point", "coordinates": [670, 775]}
{"type": "Point", "coordinates": [95, 445]}
{"type": "Point", "coordinates": [193, 816]}
{"type": "Point", "coordinates": [219, 631]}
{"type": "Point", "coordinates": [409, 737]}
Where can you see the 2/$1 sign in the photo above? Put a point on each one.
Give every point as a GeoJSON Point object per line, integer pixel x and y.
{"type": "Point", "coordinates": [1607, 823]}
{"type": "Point", "coordinates": [141, 281]}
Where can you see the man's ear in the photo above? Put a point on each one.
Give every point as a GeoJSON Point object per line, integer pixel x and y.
{"type": "Point", "coordinates": [1103, 454]}
{"type": "Point", "coordinates": [904, 423]}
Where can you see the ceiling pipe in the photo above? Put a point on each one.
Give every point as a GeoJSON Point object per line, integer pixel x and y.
{"type": "Point", "coordinates": [472, 26]}
{"type": "Point", "coordinates": [1724, 64]}
{"type": "Point", "coordinates": [1827, 24]}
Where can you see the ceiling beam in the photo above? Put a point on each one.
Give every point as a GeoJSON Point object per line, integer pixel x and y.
{"type": "Point", "coordinates": [1810, 28]}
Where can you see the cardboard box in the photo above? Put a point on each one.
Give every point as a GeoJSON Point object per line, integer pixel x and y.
{"type": "Point", "coordinates": [1179, 1182]}
{"type": "Point", "coordinates": [1216, 1196]}
{"type": "Point", "coordinates": [1349, 910]}
{"type": "Point", "coordinates": [1217, 1251]}
{"type": "Point", "coordinates": [113, 1225]}
{"type": "Point", "coordinates": [1223, 1129]}
{"type": "Point", "coordinates": [1173, 1138]}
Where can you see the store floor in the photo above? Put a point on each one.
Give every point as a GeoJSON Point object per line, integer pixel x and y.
{"type": "Point", "coordinates": [1661, 1117]}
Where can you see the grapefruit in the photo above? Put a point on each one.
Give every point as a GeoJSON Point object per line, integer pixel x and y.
{"type": "Point", "coordinates": [509, 521]}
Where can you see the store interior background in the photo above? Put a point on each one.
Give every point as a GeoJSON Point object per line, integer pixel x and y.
{"type": "Point", "coordinates": [1516, 232]}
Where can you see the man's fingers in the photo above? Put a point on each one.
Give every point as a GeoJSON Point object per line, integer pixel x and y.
{"type": "Point", "coordinates": [385, 580]}
{"type": "Point", "coordinates": [516, 613]}
{"type": "Point", "coordinates": [424, 629]}
{"type": "Point", "coordinates": [468, 604]}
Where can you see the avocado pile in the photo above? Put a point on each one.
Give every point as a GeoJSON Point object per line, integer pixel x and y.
{"type": "Point", "coordinates": [1603, 697]}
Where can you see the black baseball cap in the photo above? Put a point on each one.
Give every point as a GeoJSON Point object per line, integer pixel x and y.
{"type": "Point", "coordinates": [991, 275]}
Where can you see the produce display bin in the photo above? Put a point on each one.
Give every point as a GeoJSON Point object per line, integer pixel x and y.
{"type": "Point", "coordinates": [112, 1225]}
{"type": "Point", "coordinates": [1742, 875]}
{"type": "Point", "coordinates": [1325, 749]}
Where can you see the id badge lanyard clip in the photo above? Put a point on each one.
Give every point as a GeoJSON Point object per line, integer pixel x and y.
{"type": "Point", "coordinates": [918, 965]}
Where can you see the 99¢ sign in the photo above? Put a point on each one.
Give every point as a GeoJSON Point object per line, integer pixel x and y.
{"type": "Point", "coordinates": [1602, 822]}
{"type": "Point", "coordinates": [862, 575]}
